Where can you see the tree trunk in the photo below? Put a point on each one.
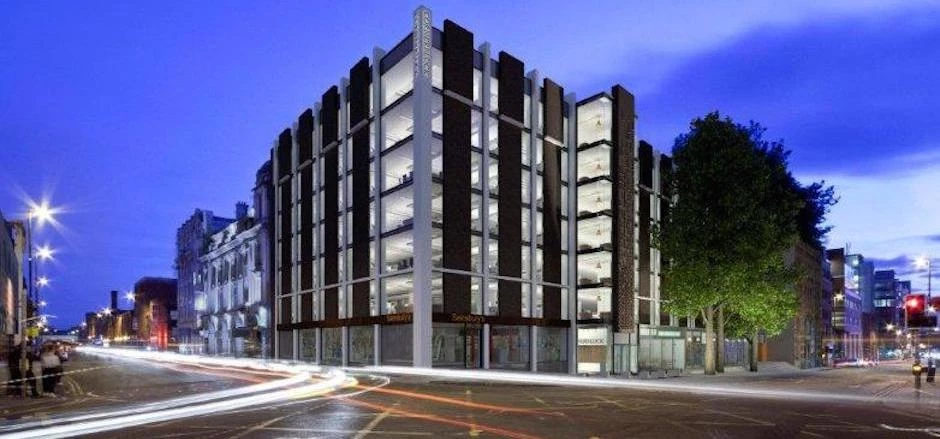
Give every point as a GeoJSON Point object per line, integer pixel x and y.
{"type": "Point", "coordinates": [720, 348]}
{"type": "Point", "coordinates": [754, 349]}
{"type": "Point", "coordinates": [709, 340]}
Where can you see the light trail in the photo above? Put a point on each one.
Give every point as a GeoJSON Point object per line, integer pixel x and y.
{"type": "Point", "coordinates": [284, 389]}
{"type": "Point", "coordinates": [443, 420]}
{"type": "Point", "coordinates": [464, 403]}
{"type": "Point", "coordinates": [613, 383]}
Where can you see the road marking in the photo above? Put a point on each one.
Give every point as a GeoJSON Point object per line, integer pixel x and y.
{"type": "Point", "coordinates": [742, 417]}
{"type": "Point", "coordinates": [314, 430]}
{"type": "Point", "coordinates": [372, 424]}
{"type": "Point", "coordinates": [811, 433]}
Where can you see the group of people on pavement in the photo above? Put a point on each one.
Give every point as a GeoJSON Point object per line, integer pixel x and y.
{"type": "Point", "coordinates": [35, 368]}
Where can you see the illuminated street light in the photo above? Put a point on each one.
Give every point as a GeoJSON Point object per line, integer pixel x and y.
{"type": "Point", "coordinates": [84, 324]}
{"type": "Point", "coordinates": [839, 297]}
{"type": "Point", "coordinates": [42, 281]}
{"type": "Point", "coordinates": [129, 296]}
{"type": "Point", "coordinates": [99, 315]}
{"type": "Point", "coordinates": [898, 332]}
{"type": "Point", "coordinates": [44, 252]}
{"type": "Point", "coordinates": [42, 303]}
{"type": "Point", "coordinates": [106, 311]}
{"type": "Point", "coordinates": [41, 212]}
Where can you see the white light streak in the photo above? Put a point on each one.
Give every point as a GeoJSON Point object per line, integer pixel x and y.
{"type": "Point", "coordinates": [195, 405]}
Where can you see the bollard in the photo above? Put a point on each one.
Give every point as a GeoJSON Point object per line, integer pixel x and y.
{"type": "Point", "coordinates": [917, 369]}
{"type": "Point", "coordinates": [931, 370]}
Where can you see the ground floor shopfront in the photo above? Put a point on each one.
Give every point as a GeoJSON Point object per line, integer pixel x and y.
{"type": "Point", "coordinates": [472, 342]}
{"type": "Point", "coordinates": [456, 341]}
{"type": "Point", "coordinates": [649, 349]}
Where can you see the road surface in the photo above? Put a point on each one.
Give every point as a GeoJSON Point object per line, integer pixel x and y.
{"type": "Point", "coordinates": [881, 405]}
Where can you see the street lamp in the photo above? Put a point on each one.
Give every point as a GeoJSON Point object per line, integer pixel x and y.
{"type": "Point", "coordinates": [106, 311]}
{"type": "Point", "coordinates": [42, 213]}
{"type": "Point", "coordinates": [129, 296]}
{"type": "Point", "coordinates": [922, 263]}
{"type": "Point", "coordinates": [42, 281]}
{"type": "Point", "coordinates": [42, 303]}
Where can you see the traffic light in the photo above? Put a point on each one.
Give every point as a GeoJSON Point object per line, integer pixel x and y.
{"type": "Point", "coordinates": [915, 309]}
{"type": "Point", "coordinates": [914, 304]}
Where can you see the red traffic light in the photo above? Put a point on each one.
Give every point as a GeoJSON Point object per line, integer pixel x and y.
{"type": "Point", "coordinates": [914, 303]}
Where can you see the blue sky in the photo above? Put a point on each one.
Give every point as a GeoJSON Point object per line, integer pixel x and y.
{"type": "Point", "coordinates": [130, 114]}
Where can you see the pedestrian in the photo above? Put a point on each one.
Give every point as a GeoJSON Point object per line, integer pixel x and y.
{"type": "Point", "coordinates": [51, 370]}
{"type": "Point", "coordinates": [15, 386]}
{"type": "Point", "coordinates": [34, 374]}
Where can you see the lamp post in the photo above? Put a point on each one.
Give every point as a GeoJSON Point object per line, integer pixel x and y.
{"type": "Point", "coordinates": [925, 262]}
{"type": "Point", "coordinates": [42, 213]}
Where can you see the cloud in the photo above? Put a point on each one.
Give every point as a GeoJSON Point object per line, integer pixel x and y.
{"type": "Point", "coordinates": [853, 97]}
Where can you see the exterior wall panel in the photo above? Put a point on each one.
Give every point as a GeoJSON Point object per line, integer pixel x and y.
{"type": "Point", "coordinates": [551, 199]}
{"type": "Point", "coordinates": [330, 203]}
{"type": "Point", "coordinates": [458, 79]}
{"type": "Point", "coordinates": [509, 170]}
{"type": "Point", "coordinates": [361, 75]}
{"type": "Point", "coordinates": [624, 139]}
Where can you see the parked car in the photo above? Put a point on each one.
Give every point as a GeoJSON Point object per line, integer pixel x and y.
{"type": "Point", "coordinates": [854, 362]}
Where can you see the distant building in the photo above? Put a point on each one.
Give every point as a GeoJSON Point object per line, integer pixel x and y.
{"type": "Point", "coordinates": [191, 242]}
{"type": "Point", "coordinates": [825, 308]}
{"type": "Point", "coordinates": [232, 304]}
{"type": "Point", "coordinates": [801, 342]}
{"type": "Point", "coordinates": [263, 201]}
{"type": "Point", "coordinates": [865, 283]}
{"type": "Point", "coordinates": [846, 305]}
{"type": "Point", "coordinates": [155, 310]}
{"type": "Point", "coordinates": [887, 303]}
{"type": "Point", "coordinates": [12, 296]}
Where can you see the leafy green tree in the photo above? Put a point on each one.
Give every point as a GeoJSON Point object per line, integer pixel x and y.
{"type": "Point", "coordinates": [735, 208]}
{"type": "Point", "coordinates": [767, 306]}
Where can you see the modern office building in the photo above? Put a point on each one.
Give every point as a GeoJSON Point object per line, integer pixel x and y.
{"type": "Point", "coordinates": [191, 239]}
{"type": "Point", "coordinates": [886, 299]}
{"type": "Point", "coordinates": [846, 304]}
{"type": "Point", "coordinates": [442, 207]}
{"type": "Point", "coordinates": [231, 302]}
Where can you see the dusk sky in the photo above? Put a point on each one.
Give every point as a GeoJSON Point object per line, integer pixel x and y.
{"type": "Point", "coordinates": [130, 115]}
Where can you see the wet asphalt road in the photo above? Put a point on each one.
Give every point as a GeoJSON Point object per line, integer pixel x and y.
{"type": "Point", "coordinates": [422, 407]}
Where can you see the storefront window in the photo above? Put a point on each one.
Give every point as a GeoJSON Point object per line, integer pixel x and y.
{"type": "Point", "coordinates": [361, 345]}
{"type": "Point", "coordinates": [332, 346]}
{"type": "Point", "coordinates": [397, 345]}
{"type": "Point", "coordinates": [285, 345]}
{"type": "Point", "coordinates": [456, 346]}
{"type": "Point", "coordinates": [308, 345]}
{"type": "Point", "coordinates": [509, 347]}
{"type": "Point", "coordinates": [552, 349]}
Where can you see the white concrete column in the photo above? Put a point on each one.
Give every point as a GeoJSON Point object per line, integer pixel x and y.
{"type": "Point", "coordinates": [536, 129]}
{"type": "Point", "coordinates": [423, 101]}
{"type": "Point", "coordinates": [485, 182]}
{"type": "Point", "coordinates": [377, 55]}
{"type": "Point", "coordinates": [533, 348]}
{"type": "Point", "coordinates": [486, 345]}
{"type": "Point", "coordinates": [377, 345]}
{"type": "Point", "coordinates": [345, 345]}
{"type": "Point", "coordinates": [572, 213]}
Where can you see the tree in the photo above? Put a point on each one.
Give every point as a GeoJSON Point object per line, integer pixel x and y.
{"type": "Point", "coordinates": [735, 206]}
{"type": "Point", "coordinates": [818, 199]}
{"type": "Point", "coordinates": [767, 306]}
